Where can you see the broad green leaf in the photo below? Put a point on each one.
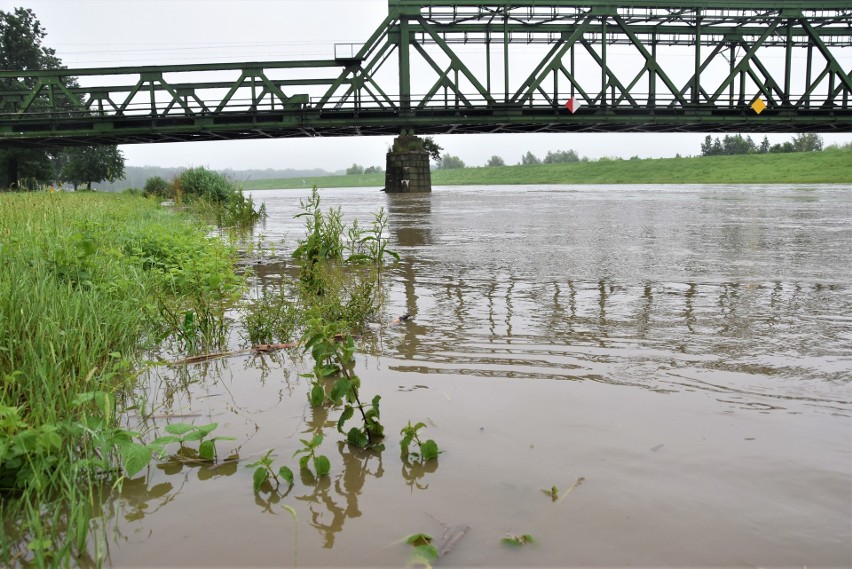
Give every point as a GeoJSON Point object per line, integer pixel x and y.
{"type": "Point", "coordinates": [207, 450]}
{"type": "Point", "coordinates": [322, 465]}
{"type": "Point", "coordinates": [428, 553]}
{"type": "Point", "coordinates": [286, 474]}
{"type": "Point", "coordinates": [303, 461]}
{"type": "Point", "coordinates": [317, 395]}
{"type": "Point", "coordinates": [179, 428]}
{"type": "Point", "coordinates": [405, 443]}
{"type": "Point", "coordinates": [357, 438]}
{"type": "Point", "coordinates": [417, 539]}
{"type": "Point", "coordinates": [207, 429]}
{"type": "Point", "coordinates": [348, 411]}
{"type": "Point", "coordinates": [135, 457]}
{"type": "Point", "coordinates": [316, 441]}
{"type": "Point", "coordinates": [259, 477]}
{"type": "Point", "coordinates": [429, 450]}
{"type": "Point", "coordinates": [166, 440]}
{"type": "Point", "coordinates": [341, 388]}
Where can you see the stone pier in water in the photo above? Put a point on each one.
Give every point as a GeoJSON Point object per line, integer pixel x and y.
{"type": "Point", "coordinates": [407, 169]}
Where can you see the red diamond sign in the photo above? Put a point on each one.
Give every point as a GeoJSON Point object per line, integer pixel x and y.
{"type": "Point", "coordinates": [572, 105]}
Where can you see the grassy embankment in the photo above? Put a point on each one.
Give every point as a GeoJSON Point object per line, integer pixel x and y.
{"type": "Point", "coordinates": [87, 282]}
{"type": "Point", "coordinates": [828, 166]}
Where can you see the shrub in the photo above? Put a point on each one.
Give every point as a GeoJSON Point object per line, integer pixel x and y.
{"type": "Point", "coordinates": [159, 187]}
{"type": "Point", "coordinates": [207, 184]}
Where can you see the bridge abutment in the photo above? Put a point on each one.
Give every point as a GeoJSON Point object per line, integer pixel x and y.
{"type": "Point", "coordinates": [407, 169]}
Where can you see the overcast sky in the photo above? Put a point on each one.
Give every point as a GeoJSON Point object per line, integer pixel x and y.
{"type": "Point", "coordinates": [100, 33]}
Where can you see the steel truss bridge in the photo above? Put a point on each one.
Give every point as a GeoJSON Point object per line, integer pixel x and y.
{"type": "Point", "coordinates": [467, 66]}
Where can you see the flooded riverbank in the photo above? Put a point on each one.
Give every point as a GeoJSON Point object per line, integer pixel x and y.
{"type": "Point", "coordinates": [684, 350]}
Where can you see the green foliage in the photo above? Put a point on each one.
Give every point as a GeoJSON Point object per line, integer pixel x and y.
{"type": "Point", "coordinates": [203, 183]}
{"type": "Point", "coordinates": [271, 317]}
{"type": "Point", "coordinates": [182, 433]}
{"type": "Point", "coordinates": [449, 162]}
{"type": "Point", "coordinates": [320, 463]}
{"type": "Point", "coordinates": [495, 161]}
{"type": "Point", "coordinates": [87, 164]}
{"type": "Point", "coordinates": [22, 47]}
{"type": "Point", "coordinates": [518, 540]}
{"type": "Point", "coordinates": [530, 159]}
{"type": "Point", "coordinates": [333, 353]}
{"type": "Point", "coordinates": [159, 187]}
{"type": "Point", "coordinates": [84, 282]}
{"type": "Point", "coordinates": [264, 471]}
{"type": "Point", "coordinates": [432, 147]}
{"type": "Point", "coordinates": [355, 170]}
{"type": "Point", "coordinates": [427, 450]}
{"type": "Point", "coordinates": [561, 157]}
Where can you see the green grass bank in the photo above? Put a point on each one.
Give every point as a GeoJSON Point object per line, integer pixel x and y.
{"type": "Point", "coordinates": [88, 284]}
{"type": "Point", "coordinates": [825, 167]}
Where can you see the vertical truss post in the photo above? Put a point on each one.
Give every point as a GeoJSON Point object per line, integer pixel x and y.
{"type": "Point", "coordinates": [696, 83]}
{"type": "Point", "coordinates": [404, 64]}
{"type": "Point", "coordinates": [506, 54]}
{"type": "Point", "coordinates": [652, 75]}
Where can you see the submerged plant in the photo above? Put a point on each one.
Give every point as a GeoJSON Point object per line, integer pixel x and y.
{"type": "Point", "coordinates": [334, 354]}
{"type": "Point", "coordinates": [264, 471]}
{"type": "Point", "coordinates": [321, 464]}
{"type": "Point", "coordinates": [426, 450]}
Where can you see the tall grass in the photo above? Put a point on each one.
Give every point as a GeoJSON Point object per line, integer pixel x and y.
{"type": "Point", "coordinates": [87, 283]}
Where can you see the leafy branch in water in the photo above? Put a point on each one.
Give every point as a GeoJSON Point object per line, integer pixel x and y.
{"type": "Point", "coordinates": [321, 464]}
{"type": "Point", "coordinates": [426, 450]}
{"type": "Point", "coordinates": [334, 354]}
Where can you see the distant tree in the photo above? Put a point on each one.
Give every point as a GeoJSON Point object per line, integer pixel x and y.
{"type": "Point", "coordinates": [87, 164]}
{"type": "Point", "coordinates": [530, 158]}
{"type": "Point", "coordinates": [449, 162]}
{"type": "Point", "coordinates": [561, 157]}
{"type": "Point", "coordinates": [764, 145]}
{"type": "Point", "coordinates": [782, 148]}
{"type": "Point", "coordinates": [807, 142]}
{"type": "Point", "coordinates": [430, 146]}
{"type": "Point", "coordinates": [22, 48]}
{"type": "Point", "coordinates": [736, 144]}
{"type": "Point", "coordinates": [355, 170]}
{"type": "Point", "coordinates": [707, 146]}
{"type": "Point", "coordinates": [495, 161]}
{"type": "Point", "coordinates": [373, 170]}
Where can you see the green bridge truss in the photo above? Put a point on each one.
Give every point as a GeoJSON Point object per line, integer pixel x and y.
{"type": "Point", "coordinates": [474, 67]}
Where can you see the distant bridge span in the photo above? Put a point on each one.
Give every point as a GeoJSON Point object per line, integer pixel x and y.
{"type": "Point", "coordinates": [469, 66]}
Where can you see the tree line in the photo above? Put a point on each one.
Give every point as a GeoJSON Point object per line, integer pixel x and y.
{"type": "Point", "coordinates": [22, 47]}
{"type": "Point", "coordinates": [737, 144]}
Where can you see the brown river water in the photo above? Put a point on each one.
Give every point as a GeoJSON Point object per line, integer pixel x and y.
{"type": "Point", "coordinates": [685, 350]}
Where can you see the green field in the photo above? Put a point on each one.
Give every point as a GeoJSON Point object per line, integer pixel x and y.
{"type": "Point", "coordinates": [828, 166]}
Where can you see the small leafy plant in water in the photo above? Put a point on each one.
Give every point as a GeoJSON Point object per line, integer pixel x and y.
{"type": "Point", "coordinates": [517, 540]}
{"type": "Point", "coordinates": [423, 553]}
{"type": "Point", "coordinates": [264, 472]}
{"type": "Point", "coordinates": [182, 433]}
{"type": "Point", "coordinates": [426, 450]}
{"type": "Point", "coordinates": [321, 464]}
{"type": "Point", "coordinates": [334, 354]}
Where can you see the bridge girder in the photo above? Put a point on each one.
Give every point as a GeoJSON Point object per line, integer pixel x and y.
{"type": "Point", "coordinates": [473, 66]}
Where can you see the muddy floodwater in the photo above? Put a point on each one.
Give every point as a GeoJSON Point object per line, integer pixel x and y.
{"type": "Point", "coordinates": [686, 351]}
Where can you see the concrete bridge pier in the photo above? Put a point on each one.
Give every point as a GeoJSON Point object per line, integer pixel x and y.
{"type": "Point", "coordinates": [407, 167]}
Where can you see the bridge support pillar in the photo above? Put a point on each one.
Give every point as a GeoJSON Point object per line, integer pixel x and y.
{"type": "Point", "coordinates": [407, 169]}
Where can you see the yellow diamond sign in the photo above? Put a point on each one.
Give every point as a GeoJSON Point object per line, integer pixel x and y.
{"type": "Point", "coordinates": [758, 106]}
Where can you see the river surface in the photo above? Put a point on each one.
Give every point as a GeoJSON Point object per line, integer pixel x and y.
{"type": "Point", "coordinates": [686, 351]}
